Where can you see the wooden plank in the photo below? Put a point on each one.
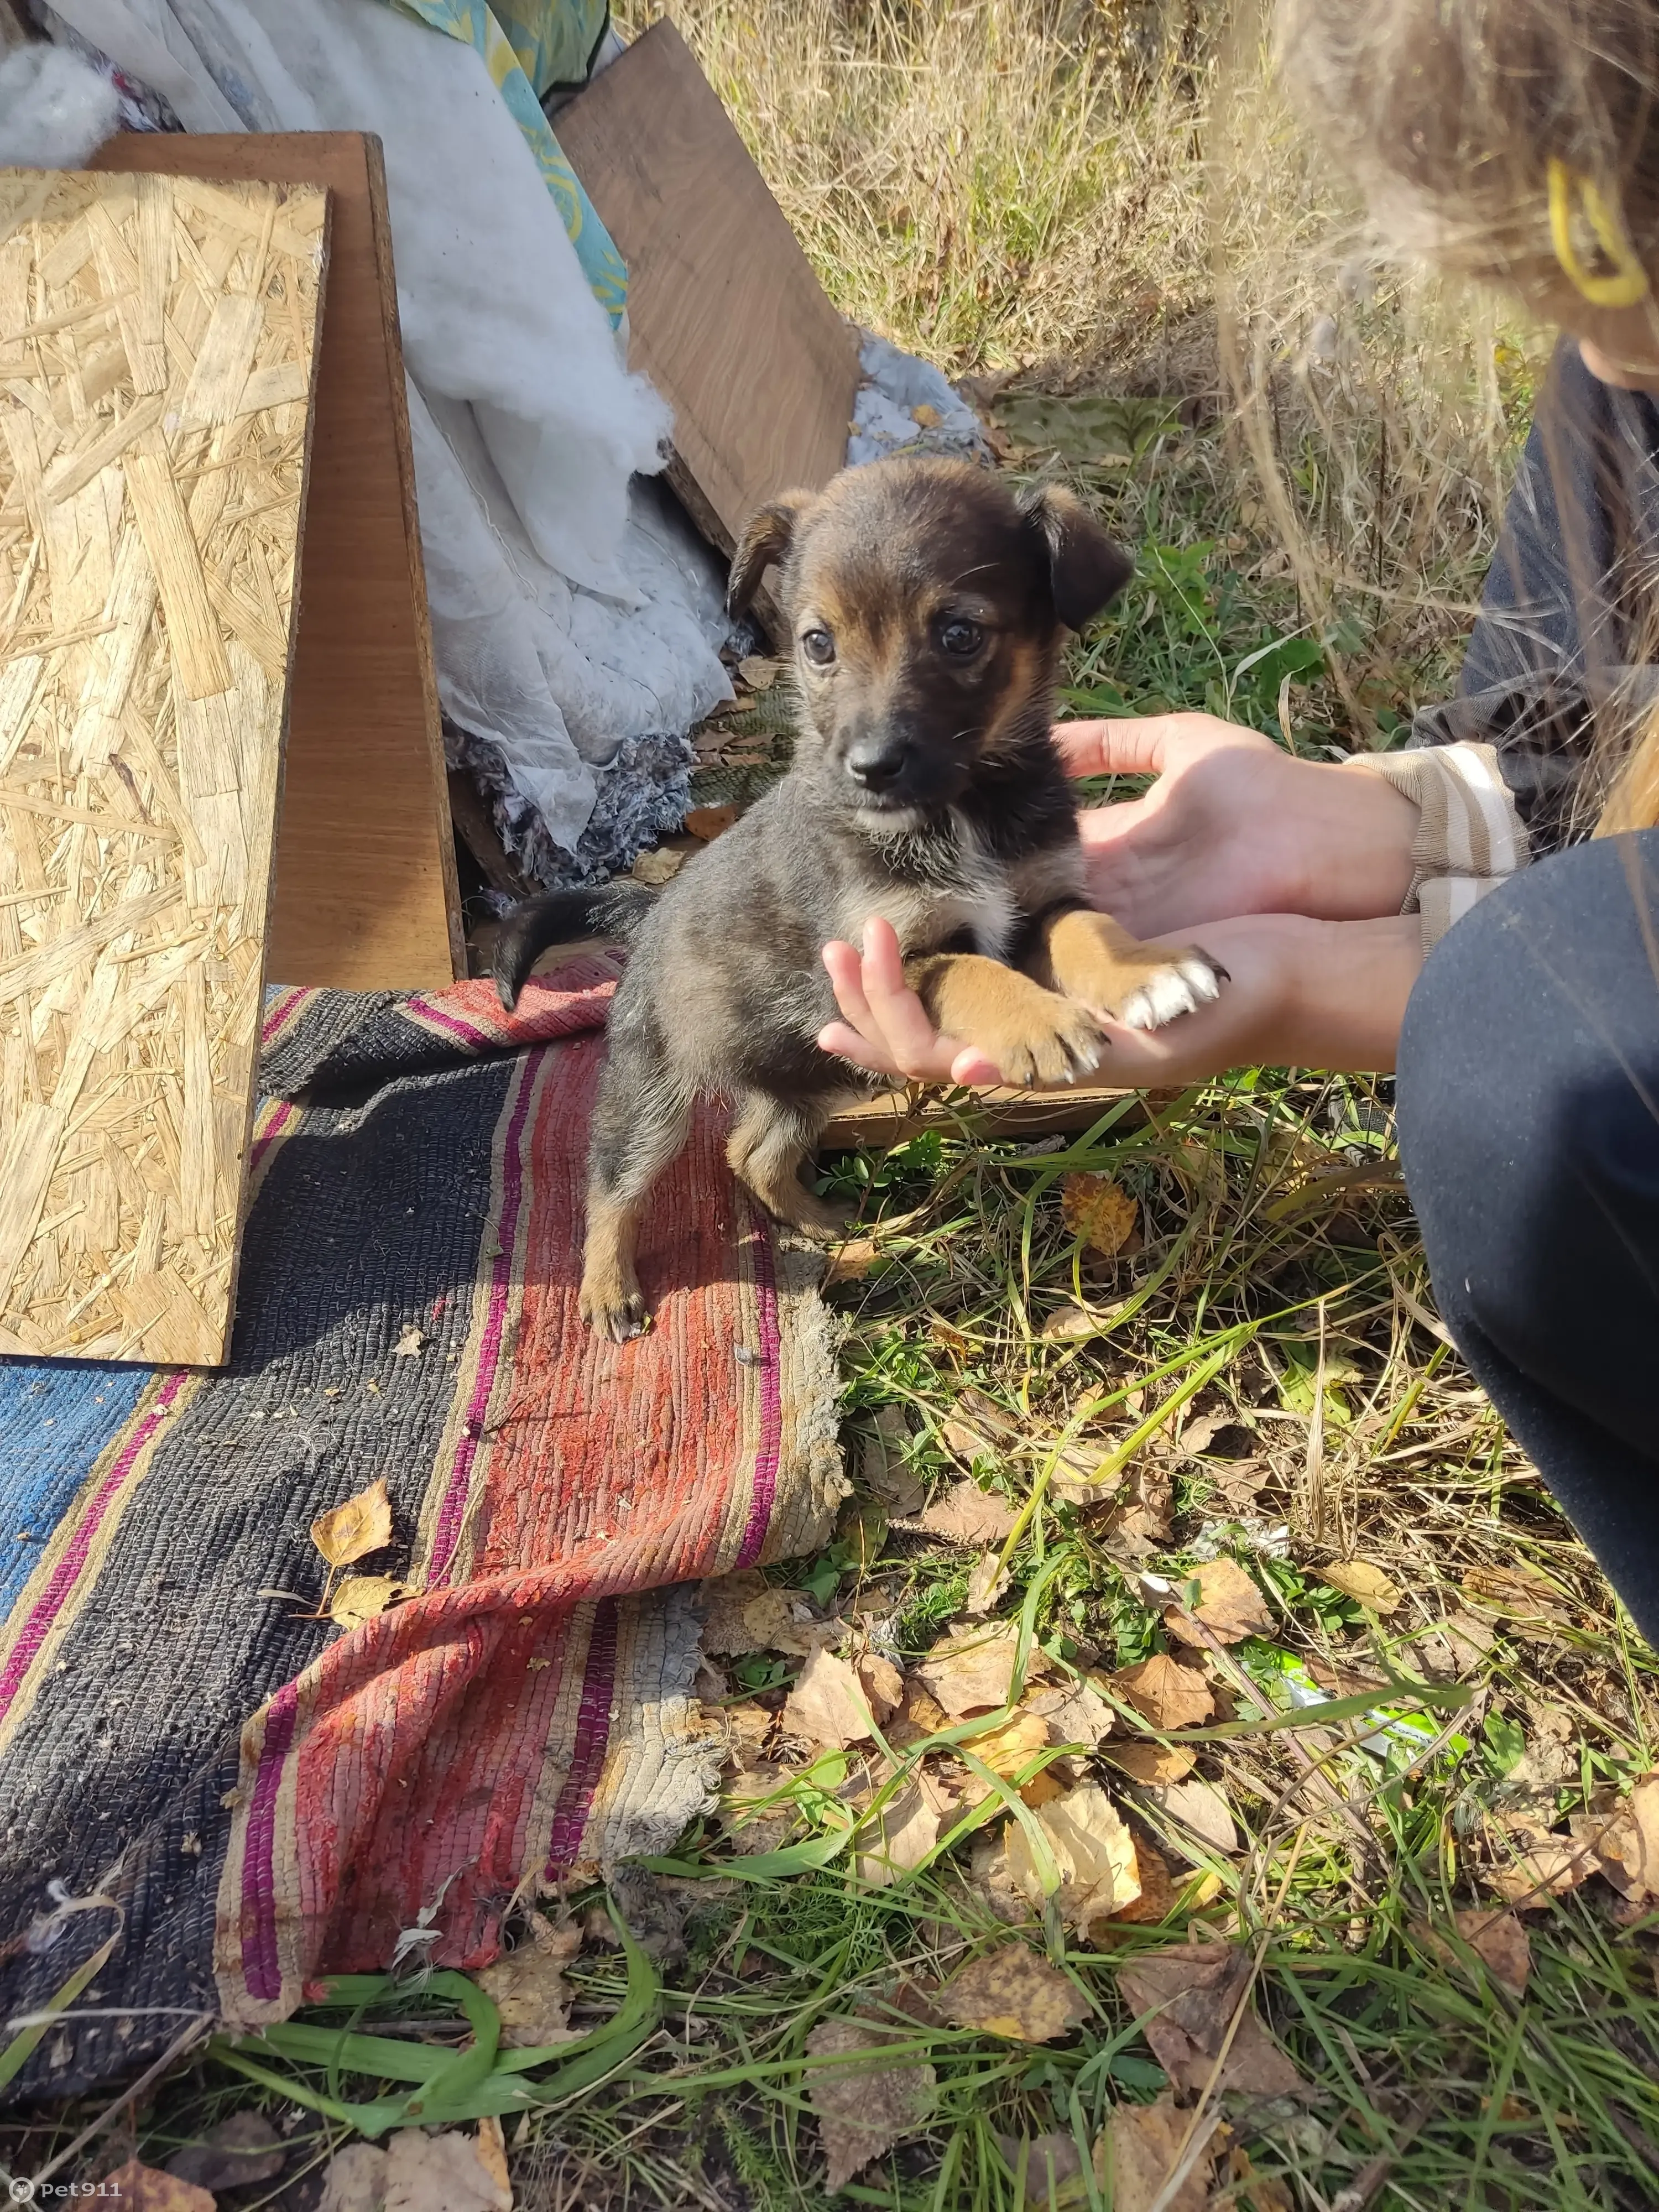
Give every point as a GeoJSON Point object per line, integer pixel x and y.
{"type": "Point", "coordinates": [897, 1116]}
{"type": "Point", "coordinates": [141, 752]}
{"type": "Point", "coordinates": [725, 314]}
{"type": "Point", "coordinates": [367, 897]}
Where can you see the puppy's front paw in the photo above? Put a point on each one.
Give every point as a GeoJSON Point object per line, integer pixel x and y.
{"type": "Point", "coordinates": [613, 1304]}
{"type": "Point", "coordinates": [1189, 980]}
{"type": "Point", "coordinates": [1047, 1039]}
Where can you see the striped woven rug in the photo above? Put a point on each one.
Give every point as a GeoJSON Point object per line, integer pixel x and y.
{"type": "Point", "coordinates": [252, 1797]}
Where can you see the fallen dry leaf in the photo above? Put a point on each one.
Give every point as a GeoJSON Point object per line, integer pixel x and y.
{"type": "Point", "coordinates": [1140, 1510]}
{"type": "Point", "coordinates": [1254, 2192]}
{"type": "Point", "coordinates": [970, 1670]}
{"type": "Point", "coordinates": [1185, 1998]}
{"type": "Point", "coordinates": [240, 2150]}
{"type": "Point", "coordinates": [1458, 1645]}
{"type": "Point", "coordinates": [1092, 1849]}
{"type": "Point", "coordinates": [1200, 1809]}
{"type": "Point", "coordinates": [988, 1583]}
{"type": "Point", "coordinates": [354, 2180]}
{"type": "Point", "coordinates": [1229, 1605]}
{"type": "Point", "coordinates": [1074, 1324]}
{"type": "Point", "coordinates": [1543, 1867]}
{"type": "Point", "coordinates": [350, 1532]}
{"type": "Point", "coordinates": [1366, 1584]}
{"type": "Point", "coordinates": [490, 2144]}
{"type": "Point", "coordinates": [1076, 1713]}
{"type": "Point", "coordinates": [744, 1612]}
{"type": "Point", "coordinates": [966, 1515]}
{"type": "Point", "coordinates": [407, 1346]}
{"type": "Point", "coordinates": [851, 1260]}
{"type": "Point", "coordinates": [527, 1986]}
{"type": "Point", "coordinates": [783, 1621]}
{"type": "Point", "coordinates": [752, 1829]}
{"type": "Point", "coordinates": [1165, 1694]}
{"type": "Point", "coordinates": [1153, 1764]}
{"type": "Point", "coordinates": [1517, 1592]}
{"type": "Point", "coordinates": [1004, 1750]}
{"type": "Point", "coordinates": [657, 867]}
{"type": "Point", "coordinates": [1054, 2171]}
{"type": "Point", "coordinates": [1100, 1212]}
{"type": "Point", "coordinates": [759, 672]}
{"type": "Point", "coordinates": [1012, 1992]}
{"type": "Point", "coordinates": [882, 1683]}
{"type": "Point", "coordinates": [826, 1706]}
{"type": "Point", "coordinates": [1499, 1939]}
{"type": "Point", "coordinates": [988, 1870]}
{"type": "Point", "coordinates": [709, 823]}
{"type": "Point", "coordinates": [1155, 1902]}
{"type": "Point", "coordinates": [904, 1830]}
{"type": "Point", "coordinates": [724, 1598]}
{"type": "Point", "coordinates": [882, 1467]}
{"type": "Point", "coordinates": [441, 2173]}
{"type": "Point", "coordinates": [919, 1715]}
{"type": "Point", "coordinates": [747, 1725]}
{"type": "Point", "coordinates": [1625, 1839]}
{"type": "Point", "coordinates": [863, 2109]}
{"type": "Point", "coordinates": [1140, 2148]}
{"type": "Point", "coordinates": [146, 2189]}
{"type": "Point", "coordinates": [358, 1598]}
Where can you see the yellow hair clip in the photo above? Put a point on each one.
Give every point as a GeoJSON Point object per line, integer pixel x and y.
{"type": "Point", "coordinates": [1629, 282]}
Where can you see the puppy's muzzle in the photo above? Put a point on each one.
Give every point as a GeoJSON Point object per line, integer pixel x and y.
{"type": "Point", "coordinates": [875, 764]}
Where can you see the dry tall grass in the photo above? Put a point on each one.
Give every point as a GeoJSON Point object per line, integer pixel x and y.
{"type": "Point", "coordinates": [1112, 194]}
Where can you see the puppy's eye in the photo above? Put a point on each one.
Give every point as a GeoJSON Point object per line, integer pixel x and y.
{"type": "Point", "coordinates": [961, 637]}
{"type": "Point", "coordinates": [818, 647]}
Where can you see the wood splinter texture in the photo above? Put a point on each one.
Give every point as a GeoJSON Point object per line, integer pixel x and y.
{"type": "Point", "coordinates": [157, 339]}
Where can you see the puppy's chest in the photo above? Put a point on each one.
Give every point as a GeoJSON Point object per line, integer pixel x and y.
{"type": "Point", "coordinates": [965, 892]}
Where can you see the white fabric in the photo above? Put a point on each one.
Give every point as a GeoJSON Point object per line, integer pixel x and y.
{"type": "Point", "coordinates": [55, 110]}
{"type": "Point", "coordinates": [560, 622]}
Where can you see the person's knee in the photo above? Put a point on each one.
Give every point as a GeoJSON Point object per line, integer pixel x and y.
{"type": "Point", "coordinates": [1527, 1078]}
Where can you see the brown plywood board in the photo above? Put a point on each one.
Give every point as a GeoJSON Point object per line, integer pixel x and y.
{"type": "Point", "coordinates": [157, 340]}
{"type": "Point", "coordinates": [367, 897]}
{"type": "Point", "coordinates": [725, 314]}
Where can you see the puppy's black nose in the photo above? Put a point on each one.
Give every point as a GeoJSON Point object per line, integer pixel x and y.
{"type": "Point", "coordinates": [878, 764]}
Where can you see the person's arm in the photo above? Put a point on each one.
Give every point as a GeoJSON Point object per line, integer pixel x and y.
{"type": "Point", "coordinates": [1234, 825]}
{"type": "Point", "coordinates": [1303, 993]}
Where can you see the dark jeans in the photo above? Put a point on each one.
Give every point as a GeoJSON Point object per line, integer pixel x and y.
{"type": "Point", "coordinates": [1529, 1095]}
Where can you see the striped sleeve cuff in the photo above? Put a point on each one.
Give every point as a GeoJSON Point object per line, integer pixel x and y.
{"type": "Point", "coordinates": [1469, 834]}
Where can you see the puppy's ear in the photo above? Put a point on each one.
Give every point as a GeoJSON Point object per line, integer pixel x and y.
{"type": "Point", "coordinates": [1086, 571]}
{"type": "Point", "coordinates": [766, 537]}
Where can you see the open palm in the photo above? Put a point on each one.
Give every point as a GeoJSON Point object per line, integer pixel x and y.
{"type": "Point", "coordinates": [1234, 826]}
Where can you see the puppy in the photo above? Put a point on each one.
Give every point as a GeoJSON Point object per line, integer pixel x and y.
{"type": "Point", "coordinates": [926, 607]}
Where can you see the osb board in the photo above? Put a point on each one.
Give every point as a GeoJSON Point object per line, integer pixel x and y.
{"type": "Point", "coordinates": [157, 339]}
{"type": "Point", "coordinates": [367, 898]}
{"type": "Point", "coordinates": [724, 315]}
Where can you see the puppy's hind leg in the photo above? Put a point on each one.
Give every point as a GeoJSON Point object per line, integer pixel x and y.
{"type": "Point", "coordinates": [770, 1142]}
{"type": "Point", "coordinates": [640, 1123]}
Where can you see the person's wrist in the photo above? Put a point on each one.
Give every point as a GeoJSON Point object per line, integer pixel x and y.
{"type": "Point", "coordinates": [1343, 988]}
{"type": "Point", "coordinates": [1356, 853]}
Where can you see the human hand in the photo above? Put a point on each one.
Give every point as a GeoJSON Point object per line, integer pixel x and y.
{"type": "Point", "coordinates": [1234, 826]}
{"type": "Point", "coordinates": [1303, 993]}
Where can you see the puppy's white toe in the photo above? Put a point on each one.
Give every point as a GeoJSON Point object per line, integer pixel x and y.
{"type": "Point", "coordinates": [1181, 988]}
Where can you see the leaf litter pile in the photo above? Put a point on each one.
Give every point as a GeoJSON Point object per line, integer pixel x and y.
{"type": "Point", "coordinates": [1202, 1771]}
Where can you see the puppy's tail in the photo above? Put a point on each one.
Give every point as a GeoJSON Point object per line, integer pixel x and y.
{"type": "Point", "coordinates": [609, 910]}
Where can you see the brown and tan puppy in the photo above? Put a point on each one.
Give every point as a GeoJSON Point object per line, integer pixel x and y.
{"type": "Point", "coordinates": [926, 607]}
